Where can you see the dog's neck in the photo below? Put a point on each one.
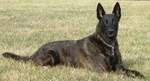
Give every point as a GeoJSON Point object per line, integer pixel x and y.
{"type": "Point", "coordinates": [112, 46]}
{"type": "Point", "coordinates": [99, 39]}
{"type": "Point", "coordinates": [109, 45]}
{"type": "Point", "coordinates": [108, 41]}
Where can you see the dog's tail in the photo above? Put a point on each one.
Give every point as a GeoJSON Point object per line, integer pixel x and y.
{"type": "Point", "coordinates": [15, 57]}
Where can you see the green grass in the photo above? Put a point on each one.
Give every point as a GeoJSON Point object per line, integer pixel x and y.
{"type": "Point", "coordinates": [25, 25]}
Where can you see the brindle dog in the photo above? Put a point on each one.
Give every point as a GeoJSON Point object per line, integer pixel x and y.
{"type": "Point", "coordinates": [99, 51]}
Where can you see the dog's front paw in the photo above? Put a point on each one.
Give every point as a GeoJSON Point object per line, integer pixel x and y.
{"type": "Point", "coordinates": [137, 74]}
{"type": "Point", "coordinates": [140, 75]}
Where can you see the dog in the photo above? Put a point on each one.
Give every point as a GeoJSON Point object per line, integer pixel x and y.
{"type": "Point", "coordinates": [99, 51]}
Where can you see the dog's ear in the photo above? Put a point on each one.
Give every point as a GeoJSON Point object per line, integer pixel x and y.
{"type": "Point", "coordinates": [100, 11]}
{"type": "Point", "coordinates": [117, 10]}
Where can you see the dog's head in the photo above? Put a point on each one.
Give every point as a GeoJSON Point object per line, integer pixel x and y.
{"type": "Point", "coordinates": [108, 23]}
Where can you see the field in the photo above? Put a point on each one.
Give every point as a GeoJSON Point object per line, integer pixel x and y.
{"type": "Point", "coordinates": [25, 25]}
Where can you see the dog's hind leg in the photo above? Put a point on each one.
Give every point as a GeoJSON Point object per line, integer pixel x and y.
{"type": "Point", "coordinates": [49, 57]}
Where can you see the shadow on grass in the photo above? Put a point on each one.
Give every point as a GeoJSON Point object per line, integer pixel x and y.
{"type": "Point", "coordinates": [136, 60]}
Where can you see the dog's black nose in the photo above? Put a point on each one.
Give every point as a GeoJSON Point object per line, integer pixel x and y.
{"type": "Point", "coordinates": [110, 33]}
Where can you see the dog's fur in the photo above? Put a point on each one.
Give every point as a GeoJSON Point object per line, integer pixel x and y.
{"type": "Point", "coordinates": [98, 51]}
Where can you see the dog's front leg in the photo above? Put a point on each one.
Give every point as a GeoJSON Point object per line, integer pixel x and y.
{"type": "Point", "coordinates": [130, 73]}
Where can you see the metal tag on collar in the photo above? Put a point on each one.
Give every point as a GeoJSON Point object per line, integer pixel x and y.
{"type": "Point", "coordinates": [112, 50]}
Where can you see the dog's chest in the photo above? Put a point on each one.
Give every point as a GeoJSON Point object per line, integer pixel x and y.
{"type": "Point", "coordinates": [102, 61]}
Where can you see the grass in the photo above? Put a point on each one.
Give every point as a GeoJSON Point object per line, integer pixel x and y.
{"type": "Point", "coordinates": [25, 25]}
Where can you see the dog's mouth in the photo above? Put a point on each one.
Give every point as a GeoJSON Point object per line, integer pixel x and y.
{"type": "Point", "coordinates": [110, 34]}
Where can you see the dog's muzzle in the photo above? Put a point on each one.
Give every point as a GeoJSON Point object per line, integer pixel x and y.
{"type": "Point", "coordinates": [110, 33]}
